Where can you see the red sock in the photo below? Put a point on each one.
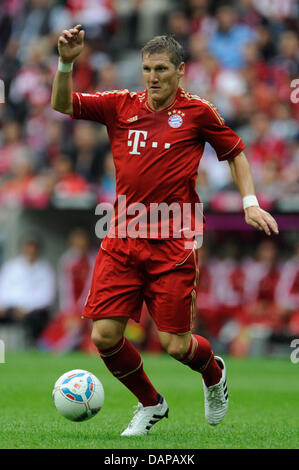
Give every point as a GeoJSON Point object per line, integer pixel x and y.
{"type": "Point", "coordinates": [125, 363]}
{"type": "Point", "coordinates": [200, 357]}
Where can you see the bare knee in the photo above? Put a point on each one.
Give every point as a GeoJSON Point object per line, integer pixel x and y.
{"type": "Point", "coordinates": [177, 351]}
{"type": "Point", "coordinates": [103, 339]}
{"type": "Point", "coordinates": [106, 333]}
{"type": "Point", "coordinates": [175, 345]}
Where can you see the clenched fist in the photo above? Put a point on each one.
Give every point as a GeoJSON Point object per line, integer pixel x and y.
{"type": "Point", "coordinates": [71, 43]}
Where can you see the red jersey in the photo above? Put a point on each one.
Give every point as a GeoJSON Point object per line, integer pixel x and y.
{"type": "Point", "coordinates": [157, 153]}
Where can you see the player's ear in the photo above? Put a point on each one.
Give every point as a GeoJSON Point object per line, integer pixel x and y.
{"type": "Point", "coordinates": [181, 69]}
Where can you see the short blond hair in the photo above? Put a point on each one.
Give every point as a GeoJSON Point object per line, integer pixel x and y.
{"type": "Point", "coordinates": [167, 44]}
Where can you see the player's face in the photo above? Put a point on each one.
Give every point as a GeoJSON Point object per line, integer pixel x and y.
{"type": "Point", "coordinates": [161, 78]}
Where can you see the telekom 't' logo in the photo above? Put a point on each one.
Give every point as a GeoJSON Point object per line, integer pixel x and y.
{"type": "Point", "coordinates": [135, 142]}
{"type": "Point", "coordinates": [137, 139]}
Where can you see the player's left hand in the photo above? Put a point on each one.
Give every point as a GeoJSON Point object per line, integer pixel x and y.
{"type": "Point", "coordinates": [261, 220]}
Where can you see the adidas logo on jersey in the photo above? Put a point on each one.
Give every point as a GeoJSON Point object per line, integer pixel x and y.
{"type": "Point", "coordinates": [132, 119]}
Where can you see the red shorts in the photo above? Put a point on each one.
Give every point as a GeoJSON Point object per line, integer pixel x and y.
{"type": "Point", "coordinates": [160, 272]}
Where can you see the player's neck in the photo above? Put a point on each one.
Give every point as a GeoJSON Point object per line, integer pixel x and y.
{"type": "Point", "coordinates": [157, 105]}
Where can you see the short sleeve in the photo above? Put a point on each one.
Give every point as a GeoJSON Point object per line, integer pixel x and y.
{"type": "Point", "coordinates": [226, 143]}
{"type": "Point", "coordinates": [99, 107]}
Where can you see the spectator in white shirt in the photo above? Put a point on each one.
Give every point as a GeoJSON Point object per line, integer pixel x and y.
{"type": "Point", "coordinates": [27, 289]}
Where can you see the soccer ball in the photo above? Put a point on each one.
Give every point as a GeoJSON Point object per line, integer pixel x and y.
{"type": "Point", "coordinates": [78, 395]}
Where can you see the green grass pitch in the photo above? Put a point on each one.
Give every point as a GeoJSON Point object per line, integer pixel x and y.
{"type": "Point", "coordinates": [263, 411]}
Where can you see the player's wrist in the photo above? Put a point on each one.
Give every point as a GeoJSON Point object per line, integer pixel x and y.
{"type": "Point", "coordinates": [65, 66]}
{"type": "Point", "coordinates": [249, 201]}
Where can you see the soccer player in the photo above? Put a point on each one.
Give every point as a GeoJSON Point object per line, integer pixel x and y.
{"type": "Point", "coordinates": [157, 139]}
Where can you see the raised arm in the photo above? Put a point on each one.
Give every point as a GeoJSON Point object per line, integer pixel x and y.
{"type": "Point", "coordinates": [254, 215]}
{"type": "Point", "coordinates": [70, 45]}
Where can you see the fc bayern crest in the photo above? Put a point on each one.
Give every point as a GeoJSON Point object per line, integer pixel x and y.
{"type": "Point", "coordinates": [175, 119]}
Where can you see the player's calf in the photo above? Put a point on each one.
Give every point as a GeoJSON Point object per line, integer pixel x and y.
{"type": "Point", "coordinates": [199, 357]}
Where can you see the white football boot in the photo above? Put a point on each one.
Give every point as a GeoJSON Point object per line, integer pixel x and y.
{"type": "Point", "coordinates": [216, 397]}
{"type": "Point", "coordinates": [145, 417]}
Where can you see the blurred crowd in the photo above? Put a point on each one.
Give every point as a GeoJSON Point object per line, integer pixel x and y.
{"type": "Point", "coordinates": [243, 56]}
{"type": "Point", "coordinates": [241, 298]}
{"type": "Point", "coordinates": [250, 297]}
{"type": "Point", "coordinates": [50, 314]}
